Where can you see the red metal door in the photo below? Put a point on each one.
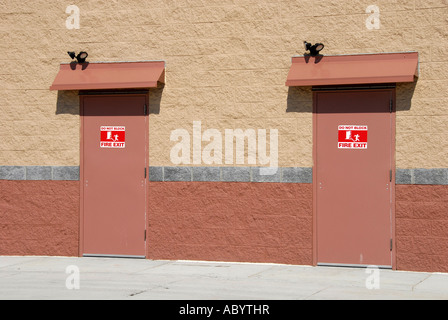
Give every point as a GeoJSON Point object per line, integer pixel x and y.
{"type": "Point", "coordinates": [353, 183]}
{"type": "Point", "coordinates": [113, 175]}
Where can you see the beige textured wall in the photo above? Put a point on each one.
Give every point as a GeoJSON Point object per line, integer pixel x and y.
{"type": "Point", "coordinates": [227, 63]}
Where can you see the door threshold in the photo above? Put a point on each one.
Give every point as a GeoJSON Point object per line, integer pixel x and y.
{"type": "Point", "coordinates": [90, 255]}
{"type": "Point", "coordinates": [348, 265]}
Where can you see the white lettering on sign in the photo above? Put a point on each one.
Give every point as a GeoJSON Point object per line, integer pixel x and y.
{"type": "Point", "coordinates": [352, 137]}
{"type": "Point", "coordinates": [113, 137]}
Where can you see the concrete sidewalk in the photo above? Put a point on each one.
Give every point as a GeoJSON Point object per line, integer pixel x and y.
{"type": "Point", "coordinates": [47, 278]}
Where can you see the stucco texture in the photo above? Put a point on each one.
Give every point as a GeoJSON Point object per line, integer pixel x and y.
{"type": "Point", "coordinates": [227, 63]}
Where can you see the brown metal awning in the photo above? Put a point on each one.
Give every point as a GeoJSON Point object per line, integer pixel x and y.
{"type": "Point", "coordinates": [353, 69]}
{"type": "Point", "coordinates": [109, 75]}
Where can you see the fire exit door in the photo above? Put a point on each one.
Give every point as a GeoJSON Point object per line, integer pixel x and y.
{"type": "Point", "coordinates": [113, 170]}
{"type": "Point", "coordinates": [353, 138]}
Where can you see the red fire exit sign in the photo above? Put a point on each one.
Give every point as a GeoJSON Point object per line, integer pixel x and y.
{"type": "Point", "coordinates": [112, 137]}
{"type": "Point", "coordinates": [352, 137]}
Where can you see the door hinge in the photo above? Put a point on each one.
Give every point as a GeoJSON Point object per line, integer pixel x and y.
{"type": "Point", "coordinates": [145, 172]}
{"type": "Point", "coordinates": [391, 244]}
{"type": "Point", "coordinates": [145, 109]}
{"type": "Point", "coordinates": [390, 175]}
{"type": "Point", "coordinates": [144, 235]}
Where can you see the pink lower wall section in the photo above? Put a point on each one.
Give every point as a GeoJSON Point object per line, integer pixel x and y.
{"type": "Point", "coordinates": [39, 218]}
{"type": "Point", "coordinates": [245, 222]}
{"type": "Point", "coordinates": [422, 227]}
{"type": "Point", "coordinates": [215, 221]}
{"type": "Point", "coordinates": [264, 222]}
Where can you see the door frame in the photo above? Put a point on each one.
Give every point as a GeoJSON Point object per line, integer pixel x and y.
{"type": "Point", "coordinates": [357, 88]}
{"type": "Point", "coordinates": [127, 93]}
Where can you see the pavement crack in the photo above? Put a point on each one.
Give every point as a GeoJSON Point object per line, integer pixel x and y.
{"type": "Point", "coordinates": [259, 272]}
{"type": "Point", "coordinates": [413, 287]}
{"type": "Point", "coordinates": [137, 293]}
{"type": "Point", "coordinates": [318, 291]}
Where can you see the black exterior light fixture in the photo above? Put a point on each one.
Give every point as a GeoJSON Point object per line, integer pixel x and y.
{"type": "Point", "coordinates": [81, 57]}
{"type": "Point", "coordinates": [313, 49]}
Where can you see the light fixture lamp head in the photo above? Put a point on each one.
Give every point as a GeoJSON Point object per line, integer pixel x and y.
{"type": "Point", "coordinates": [81, 57]}
{"type": "Point", "coordinates": [313, 49]}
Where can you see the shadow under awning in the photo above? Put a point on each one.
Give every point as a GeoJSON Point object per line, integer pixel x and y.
{"type": "Point", "coordinates": [353, 69]}
{"type": "Point", "coordinates": [109, 75]}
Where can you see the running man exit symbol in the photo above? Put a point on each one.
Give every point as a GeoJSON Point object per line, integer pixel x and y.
{"type": "Point", "coordinates": [348, 136]}
{"type": "Point", "coordinates": [114, 138]}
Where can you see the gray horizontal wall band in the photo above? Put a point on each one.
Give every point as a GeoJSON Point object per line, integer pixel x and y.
{"type": "Point", "coordinates": [437, 176]}
{"type": "Point", "coordinates": [175, 173]}
{"type": "Point", "coordinates": [283, 175]}
{"type": "Point", "coordinates": [12, 173]}
{"type": "Point", "coordinates": [230, 174]}
{"type": "Point", "coordinates": [57, 173]}
{"type": "Point", "coordinates": [66, 173]}
{"type": "Point", "coordinates": [39, 173]}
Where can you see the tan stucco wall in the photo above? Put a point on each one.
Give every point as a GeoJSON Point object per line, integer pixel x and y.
{"type": "Point", "coordinates": [227, 63]}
